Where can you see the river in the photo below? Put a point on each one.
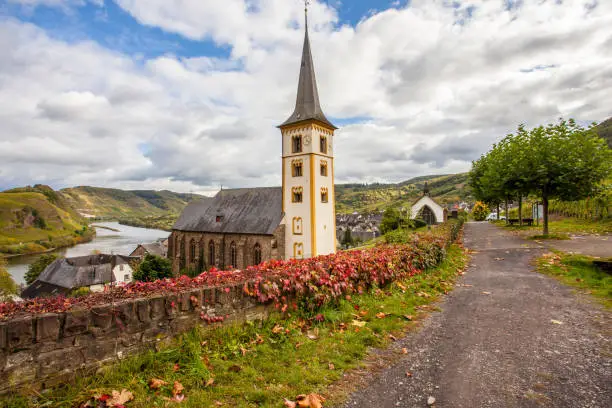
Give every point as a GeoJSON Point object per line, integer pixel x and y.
{"type": "Point", "coordinates": [105, 241]}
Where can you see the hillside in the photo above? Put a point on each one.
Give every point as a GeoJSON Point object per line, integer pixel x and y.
{"type": "Point", "coordinates": [35, 219]}
{"type": "Point", "coordinates": [120, 204]}
{"type": "Point", "coordinates": [605, 130]}
{"type": "Point", "coordinates": [445, 189]}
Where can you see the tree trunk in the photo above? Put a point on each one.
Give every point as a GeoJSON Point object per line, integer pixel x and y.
{"type": "Point", "coordinates": [545, 211]}
{"type": "Point", "coordinates": [520, 210]}
{"type": "Point", "coordinates": [498, 214]}
{"type": "Point", "coordinates": [506, 210]}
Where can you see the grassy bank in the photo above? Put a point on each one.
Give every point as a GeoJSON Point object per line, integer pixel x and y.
{"type": "Point", "coordinates": [560, 228]}
{"type": "Point", "coordinates": [578, 271]}
{"type": "Point", "coordinates": [257, 365]}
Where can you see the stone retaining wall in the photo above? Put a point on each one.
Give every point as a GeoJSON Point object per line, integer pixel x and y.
{"type": "Point", "coordinates": [44, 350]}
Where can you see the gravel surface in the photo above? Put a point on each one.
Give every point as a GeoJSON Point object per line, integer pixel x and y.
{"type": "Point", "coordinates": [506, 337]}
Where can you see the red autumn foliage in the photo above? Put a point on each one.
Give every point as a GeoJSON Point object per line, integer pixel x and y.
{"type": "Point", "coordinates": [308, 283]}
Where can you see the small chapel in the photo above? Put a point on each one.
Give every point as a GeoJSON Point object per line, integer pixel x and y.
{"type": "Point", "coordinates": [242, 227]}
{"type": "Point", "coordinates": [427, 209]}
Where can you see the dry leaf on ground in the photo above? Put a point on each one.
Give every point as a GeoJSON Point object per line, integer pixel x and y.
{"type": "Point", "coordinates": [156, 383]}
{"type": "Point", "coordinates": [177, 389]}
{"type": "Point", "coordinates": [408, 317]}
{"type": "Point", "coordinates": [381, 315]}
{"type": "Point", "coordinates": [553, 321]}
{"type": "Point", "coordinates": [119, 398]}
{"type": "Point", "coordinates": [404, 351]}
{"type": "Point", "coordinates": [358, 323]}
{"type": "Point", "coordinates": [309, 401]}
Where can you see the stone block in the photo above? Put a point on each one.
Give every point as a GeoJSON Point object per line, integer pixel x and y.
{"type": "Point", "coordinates": [172, 306]}
{"type": "Point", "coordinates": [19, 359]}
{"type": "Point", "coordinates": [209, 296]}
{"type": "Point", "coordinates": [102, 317]}
{"type": "Point", "coordinates": [47, 328]}
{"type": "Point", "coordinates": [20, 333]}
{"type": "Point", "coordinates": [76, 322]}
{"type": "Point", "coordinates": [3, 339]}
{"type": "Point", "coordinates": [126, 318]}
{"type": "Point", "coordinates": [142, 310]}
{"type": "Point", "coordinates": [56, 361]}
{"type": "Point", "coordinates": [157, 308]}
{"type": "Point", "coordinates": [100, 350]}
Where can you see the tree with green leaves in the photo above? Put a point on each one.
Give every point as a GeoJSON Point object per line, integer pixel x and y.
{"type": "Point", "coordinates": [8, 287]}
{"type": "Point", "coordinates": [391, 220]}
{"type": "Point", "coordinates": [562, 161]}
{"type": "Point", "coordinates": [36, 268]}
{"type": "Point", "coordinates": [152, 268]}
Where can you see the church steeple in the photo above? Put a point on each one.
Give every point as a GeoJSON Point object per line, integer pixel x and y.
{"type": "Point", "coordinates": [307, 105]}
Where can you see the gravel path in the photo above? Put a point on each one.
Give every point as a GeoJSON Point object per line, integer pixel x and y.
{"type": "Point", "coordinates": [506, 337]}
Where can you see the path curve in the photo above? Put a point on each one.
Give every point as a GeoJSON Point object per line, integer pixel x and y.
{"type": "Point", "coordinates": [498, 342]}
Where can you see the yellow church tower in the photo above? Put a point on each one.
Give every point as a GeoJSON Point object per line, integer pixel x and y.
{"type": "Point", "coordinates": [308, 170]}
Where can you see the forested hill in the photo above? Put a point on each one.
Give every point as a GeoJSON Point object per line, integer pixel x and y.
{"type": "Point", "coordinates": [605, 130]}
{"type": "Point", "coordinates": [449, 188]}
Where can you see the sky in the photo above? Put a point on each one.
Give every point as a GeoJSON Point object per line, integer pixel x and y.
{"type": "Point", "coordinates": [186, 95]}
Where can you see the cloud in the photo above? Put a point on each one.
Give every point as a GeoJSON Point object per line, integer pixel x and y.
{"type": "Point", "coordinates": [437, 85]}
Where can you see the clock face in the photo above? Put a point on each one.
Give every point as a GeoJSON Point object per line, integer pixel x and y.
{"type": "Point", "coordinates": [307, 140]}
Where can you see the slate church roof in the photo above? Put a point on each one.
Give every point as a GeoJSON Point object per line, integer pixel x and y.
{"type": "Point", "coordinates": [65, 274]}
{"type": "Point", "coordinates": [307, 104]}
{"type": "Point", "coordinates": [238, 211]}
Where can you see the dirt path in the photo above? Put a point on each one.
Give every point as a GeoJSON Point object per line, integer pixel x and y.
{"type": "Point", "coordinates": [506, 337]}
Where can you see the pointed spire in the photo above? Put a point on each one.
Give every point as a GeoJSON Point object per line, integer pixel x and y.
{"type": "Point", "coordinates": [426, 190]}
{"type": "Point", "coordinates": [307, 105]}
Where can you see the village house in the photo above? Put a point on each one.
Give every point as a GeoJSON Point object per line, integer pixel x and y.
{"type": "Point", "coordinates": [157, 248]}
{"type": "Point", "coordinates": [242, 227]}
{"type": "Point", "coordinates": [93, 272]}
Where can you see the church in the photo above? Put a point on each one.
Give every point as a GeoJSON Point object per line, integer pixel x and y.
{"type": "Point", "coordinates": [242, 227]}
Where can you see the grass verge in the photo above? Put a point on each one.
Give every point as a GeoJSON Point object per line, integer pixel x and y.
{"type": "Point", "coordinates": [259, 364]}
{"type": "Point", "coordinates": [560, 228]}
{"type": "Point", "coordinates": [580, 272]}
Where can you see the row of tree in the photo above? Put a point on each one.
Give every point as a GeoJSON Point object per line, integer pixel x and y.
{"type": "Point", "coordinates": [562, 161]}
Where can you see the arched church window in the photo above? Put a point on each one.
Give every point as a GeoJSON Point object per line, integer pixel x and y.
{"type": "Point", "coordinates": [296, 144]}
{"type": "Point", "coordinates": [324, 194]}
{"type": "Point", "coordinates": [297, 166]}
{"type": "Point", "coordinates": [257, 254]}
{"type": "Point", "coordinates": [323, 144]}
{"type": "Point", "coordinates": [324, 168]}
{"type": "Point", "coordinates": [296, 195]}
{"type": "Point", "coordinates": [427, 215]}
{"type": "Point", "coordinates": [211, 253]}
{"type": "Point", "coordinates": [297, 225]}
{"type": "Point", "coordinates": [192, 250]}
{"type": "Point", "coordinates": [233, 255]}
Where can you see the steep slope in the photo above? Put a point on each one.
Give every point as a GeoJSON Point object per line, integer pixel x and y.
{"type": "Point", "coordinates": [605, 130]}
{"type": "Point", "coordinates": [34, 219]}
{"type": "Point", "coordinates": [445, 189]}
{"type": "Point", "coordinates": [120, 204]}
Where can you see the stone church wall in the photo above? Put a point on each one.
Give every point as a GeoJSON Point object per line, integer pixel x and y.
{"type": "Point", "coordinates": [45, 350]}
{"type": "Point", "coordinates": [183, 258]}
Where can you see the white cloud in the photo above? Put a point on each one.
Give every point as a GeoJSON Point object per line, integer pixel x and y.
{"type": "Point", "coordinates": [437, 85]}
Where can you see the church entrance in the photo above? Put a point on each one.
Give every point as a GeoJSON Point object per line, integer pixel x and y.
{"type": "Point", "coordinates": [428, 215]}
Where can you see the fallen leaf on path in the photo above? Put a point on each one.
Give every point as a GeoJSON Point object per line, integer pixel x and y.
{"type": "Point", "coordinates": [408, 317]}
{"type": "Point", "coordinates": [499, 259]}
{"type": "Point", "coordinates": [553, 321]}
{"type": "Point", "coordinates": [277, 329]}
{"type": "Point", "coordinates": [331, 366]}
{"type": "Point", "coordinates": [156, 383]}
{"type": "Point", "coordinates": [392, 337]}
{"type": "Point", "coordinates": [309, 401]}
{"type": "Point", "coordinates": [290, 404]}
{"type": "Point", "coordinates": [408, 374]}
{"type": "Point", "coordinates": [404, 351]}
{"type": "Point", "coordinates": [381, 315]}
{"type": "Point", "coordinates": [431, 401]}
{"type": "Point", "coordinates": [210, 382]}
{"type": "Point", "coordinates": [120, 398]}
{"type": "Point", "coordinates": [486, 293]}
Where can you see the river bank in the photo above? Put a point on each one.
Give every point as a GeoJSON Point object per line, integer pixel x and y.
{"type": "Point", "coordinates": [114, 238]}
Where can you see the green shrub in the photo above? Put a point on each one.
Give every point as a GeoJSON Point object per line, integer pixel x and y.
{"type": "Point", "coordinates": [152, 268]}
{"type": "Point", "coordinates": [36, 268]}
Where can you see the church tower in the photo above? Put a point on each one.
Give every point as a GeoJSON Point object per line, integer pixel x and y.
{"type": "Point", "coordinates": [308, 170]}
